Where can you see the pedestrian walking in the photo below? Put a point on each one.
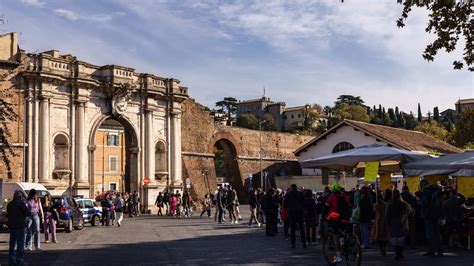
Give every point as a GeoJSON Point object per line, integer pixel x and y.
{"type": "Point", "coordinates": [454, 215]}
{"type": "Point", "coordinates": [271, 209]}
{"type": "Point", "coordinates": [397, 215]}
{"type": "Point", "coordinates": [173, 204]}
{"type": "Point", "coordinates": [159, 203]}
{"type": "Point", "coordinates": [166, 201]}
{"type": "Point", "coordinates": [220, 204]}
{"type": "Point", "coordinates": [231, 203]}
{"type": "Point", "coordinates": [33, 221]}
{"type": "Point", "coordinates": [51, 214]}
{"type": "Point", "coordinates": [310, 217]}
{"type": "Point", "coordinates": [366, 208]}
{"type": "Point", "coordinates": [17, 215]}
{"type": "Point", "coordinates": [186, 202]}
{"type": "Point", "coordinates": [432, 208]}
{"type": "Point", "coordinates": [253, 208]}
{"type": "Point", "coordinates": [294, 205]}
{"type": "Point", "coordinates": [379, 229]}
{"type": "Point", "coordinates": [409, 198]}
{"type": "Point", "coordinates": [105, 204]}
{"type": "Point", "coordinates": [206, 205]}
{"type": "Point", "coordinates": [119, 208]}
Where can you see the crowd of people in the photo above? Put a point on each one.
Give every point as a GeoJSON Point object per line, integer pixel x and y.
{"type": "Point", "coordinates": [431, 216]}
{"type": "Point", "coordinates": [174, 204]}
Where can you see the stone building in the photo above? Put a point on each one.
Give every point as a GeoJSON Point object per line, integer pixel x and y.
{"type": "Point", "coordinates": [464, 104]}
{"type": "Point", "coordinates": [62, 102]}
{"type": "Point", "coordinates": [110, 157]}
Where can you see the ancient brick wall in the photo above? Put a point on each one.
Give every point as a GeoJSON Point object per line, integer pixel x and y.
{"type": "Point", "coordinates": [199, 135]}
{"type": "Point", "coordinates": [10, 90]}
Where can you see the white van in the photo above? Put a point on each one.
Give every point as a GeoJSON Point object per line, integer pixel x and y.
{"type": "Point", "coordinates": [8, 189]}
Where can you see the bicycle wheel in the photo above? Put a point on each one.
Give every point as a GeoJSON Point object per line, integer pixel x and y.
{"type": "Point", "coordinates": [329, 248]}
{"type": "Point", "coordinates": [352, 251]}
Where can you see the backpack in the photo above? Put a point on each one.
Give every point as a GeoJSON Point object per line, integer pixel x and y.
{"type": "Point", "coordinates": [343, 208]}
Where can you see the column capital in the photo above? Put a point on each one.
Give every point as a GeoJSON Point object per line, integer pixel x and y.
{"type": "Point", "coordinates": [91, 148]}
{"type": "Point", "coordinates": [135, 150]}
{"type": "Point", "coordinates": [80, 102]}
{"type": "Point", "coordinates": [45, 97]}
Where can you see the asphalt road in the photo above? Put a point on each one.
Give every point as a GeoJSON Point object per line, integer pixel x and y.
{"type": "Point", "coordinates": [151, 240]}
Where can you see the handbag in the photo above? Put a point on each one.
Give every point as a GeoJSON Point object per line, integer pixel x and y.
{"type": "Point", "coordinates": [356, 213]}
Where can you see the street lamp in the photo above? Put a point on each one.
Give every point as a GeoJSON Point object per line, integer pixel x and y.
{"type": "Point", "coordinates": [261, 168]}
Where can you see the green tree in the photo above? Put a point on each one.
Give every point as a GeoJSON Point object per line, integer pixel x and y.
{"type": "Point", "coordinates": [268, 123]}
{"type": "Point", "coordinates": [410, 121]}
{"type": "Point", "coordinates": [451, 21]}
{"type": "Point", "coordinates": [351, 111]}
{"type": "Point", "coordinates": [464, 129]}
{"type": "Point", "coordinates": [228, 105]}
{"type": "Point", "coordinates": [349, 99]}
{"type": "Point", "coordinates": [436, 115]}
{"type": "Point", "coordinates": [433, 129]}
{"type": "Point", "coordinates": [247, 121]}
{"type": "Point", "coordinates": [310, 118]}
{"type": "Point", "coordinates": [392, 117]}
{"type": "Point", "coordinates": [420, 116]}
{"type": "Point", "coordinates": [7, 116]}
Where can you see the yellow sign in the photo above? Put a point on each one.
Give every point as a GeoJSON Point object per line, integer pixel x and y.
{"type": "Point", "coordinates": [385, 182]}
{"type": "Point", "coordinates": [466, 186]}
{"type": "Point", "coordinates": [433, 179]}
{"type": "Point", "coordinates": [413, 183]}
{"type": "Point", "coordinates": [371, 171]}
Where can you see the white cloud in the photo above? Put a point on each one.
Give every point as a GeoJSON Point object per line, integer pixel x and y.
{"type": "Point", "coordinates": [34, 3]}
{"type": "Point", "coordinates": [73, 16]}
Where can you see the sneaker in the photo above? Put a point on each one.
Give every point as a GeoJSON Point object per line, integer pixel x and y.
{"type": "Point", "coordinates": [38, 249]}
{"type": "Point", "coordinates": [55, 241]}
{"type": "Point", "coordinates": [259, 225]}
{"type": "Point", "coordinates": [338, 260]}
{"type": "Point", "coordinates": [47, 241]}
{"type": "Point", "coordinates": [30, 249]}
{"type": "Point", "coordinates": [236, 222]}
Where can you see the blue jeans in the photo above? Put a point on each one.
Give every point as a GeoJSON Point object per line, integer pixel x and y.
{"type": "Point", "coordinates": [364, 232]}
{"type": "Point", "coordinates": [220, 213]}
{"type": "Point", "coordinates": [17, 236]}
{"type": "Point", "coordinates": [33, 229]}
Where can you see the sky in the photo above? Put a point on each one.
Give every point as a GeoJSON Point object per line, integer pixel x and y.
{"type": "Point", "coordinates": [300, 51]}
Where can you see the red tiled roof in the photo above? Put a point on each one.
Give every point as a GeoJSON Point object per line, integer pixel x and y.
{"type": "Point", "coordinates": [397, 137]}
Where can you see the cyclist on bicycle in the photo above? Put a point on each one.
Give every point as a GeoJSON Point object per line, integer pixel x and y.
{"type": "Point", "coordinates": [338, 212]}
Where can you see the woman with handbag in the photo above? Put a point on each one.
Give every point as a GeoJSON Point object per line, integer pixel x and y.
{"type": "Point", "coordinates": [49, 221]}
{"type": "Point", "coordinates": [33, 221]}
{"type": "Point", "coordinates": [397, 222]}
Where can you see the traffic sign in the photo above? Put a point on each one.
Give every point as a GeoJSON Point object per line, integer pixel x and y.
{"type": "Point", "coordinates": [188, 186]}
{"type": "Point", "coordinates": [146, 181]}
{"type": "Point", "coordinates": [250, 177]}
{"type": "Point", "coordinates": [188, 181]}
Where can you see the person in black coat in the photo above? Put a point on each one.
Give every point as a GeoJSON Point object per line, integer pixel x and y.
{"type": "Point", "coordinates": [271, 212]}
{"type": "Point", "coordinates": [310, 216]}
{"type": "Point", "coordinates": [17, 213]}
{"type": "Point", "coordinates": [294, 205]}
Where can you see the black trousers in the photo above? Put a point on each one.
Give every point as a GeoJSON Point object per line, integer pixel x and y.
{"type": "Point", "coordinates": [271, 222]}
{"type": "Point", "coordinates": [296, 220]}
{"type": "Point", "coordinates": [310, 226]}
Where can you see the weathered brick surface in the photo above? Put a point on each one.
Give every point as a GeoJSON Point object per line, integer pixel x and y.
{"type": "Point", "coordinates": [9, 90]}
{"type": "Point", "coordinates": [199, 135]}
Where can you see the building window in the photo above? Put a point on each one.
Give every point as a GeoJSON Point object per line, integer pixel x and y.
{"type": "Point", "coordinates": [112, 186]}
{"type": "Point", "coordinates": [299, 115]}
{"type": "Point", "coordinates": [342, 146]}
{"type": "Point", "coordinates": [113, 140]}
{"type": "Point", "coordinates": [292, 116]}
{"type": "Point", "coordinates": [113, 163]}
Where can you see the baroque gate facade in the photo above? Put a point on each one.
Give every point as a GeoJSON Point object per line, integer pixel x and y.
{"type": "Point", "coordinates": [66, 101]}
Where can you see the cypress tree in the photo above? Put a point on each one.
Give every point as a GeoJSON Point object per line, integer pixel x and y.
{"type": "Point", "coordinates": [436, 114]}
{"type": "Point", "coordinates": [420, 116]}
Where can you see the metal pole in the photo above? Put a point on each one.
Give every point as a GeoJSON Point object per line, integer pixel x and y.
{"type": "Point", "coordinates": [260, 137]}
{"type": "Point", "coordinates": [103, 160]}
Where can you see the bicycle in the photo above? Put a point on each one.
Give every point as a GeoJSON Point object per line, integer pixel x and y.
{"type": "Point", "coordinates": [349, 245]}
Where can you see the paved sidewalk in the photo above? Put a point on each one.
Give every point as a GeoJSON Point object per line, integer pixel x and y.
{"type": "Point", "coordinates": [151, 240]}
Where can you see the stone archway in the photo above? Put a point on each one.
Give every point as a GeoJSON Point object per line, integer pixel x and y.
{"type": "Point", "coordinates": [129, 166]}
{"type": "Point", "coordinates": [227, 165]}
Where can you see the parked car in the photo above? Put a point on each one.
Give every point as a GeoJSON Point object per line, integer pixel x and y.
{"type": "Point", "coordinates": [7, 191]}
{"type": "Point", "coordinates": [70, 215]}
{"type": "Point", "coordinates": [90, 212]}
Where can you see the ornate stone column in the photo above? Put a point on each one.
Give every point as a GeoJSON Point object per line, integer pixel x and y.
{"type": "Point", "coordinates": [82, 182]}
{"type": "Point", "coordinates": [44, 147]}
{"type": "Point", "coordinates": [176, 168]}
{"type": "Point", "coordinates": [149, 146]}
{"type": "Point", "coordinates": [30, 136]}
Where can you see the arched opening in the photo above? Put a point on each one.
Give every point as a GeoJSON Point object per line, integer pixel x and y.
{"type": "Point", "coordinates": [227, 167]}
{"type": "Point", "coordinates": [161, 161]}
{"type": "Point", "coordinates": [61, 167]}
{"type": "Point", "coordinates": [342, 146]}
{"type": "Point", "coordinates": [114, 156]}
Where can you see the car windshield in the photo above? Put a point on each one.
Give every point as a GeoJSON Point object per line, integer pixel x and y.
{"type": "Point", "coordinates": [57, 201]}
{"type": "Point", "coordinates": [40, 193]}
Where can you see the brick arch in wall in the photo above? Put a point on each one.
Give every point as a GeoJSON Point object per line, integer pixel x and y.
{"type": "Point", "coordinates": [232, 150]}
